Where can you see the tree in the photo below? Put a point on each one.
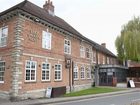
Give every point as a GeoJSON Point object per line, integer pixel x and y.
{"type": "Point", "coordinates": [128, 43]}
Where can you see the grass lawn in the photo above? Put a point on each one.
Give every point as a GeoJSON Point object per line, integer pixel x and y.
{"type": "Point", "coordinates": [93, 90]}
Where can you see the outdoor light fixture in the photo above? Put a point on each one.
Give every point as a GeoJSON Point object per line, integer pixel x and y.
{"type": "Point", "coordinates": [36, 20]}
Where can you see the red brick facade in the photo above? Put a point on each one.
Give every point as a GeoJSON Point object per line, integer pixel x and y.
{"type": "Point", "coordinates": [29, 47]}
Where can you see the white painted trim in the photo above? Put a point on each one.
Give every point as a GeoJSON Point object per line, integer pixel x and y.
{"type": "Point", "coordinates": [1, 82]}
{"type": "Point", "coordinates": [49, 72]}
{"type": "Point", "coordinates": [5, 36]}
{"type": "Point", "coordinates": [77, 73]}
{"type": "Point", "coordinates": [61, 73]}
{"type": "Point", "coordinates": [40, 56]}
{"type": "Point", "coordinates": [50, 34]}
{"type": "Point", "coordinates": [30, 75]}
{"type": "Point", "coordinates": [67, 45]}
{"type": "Point", "coordinates": [83, 71]}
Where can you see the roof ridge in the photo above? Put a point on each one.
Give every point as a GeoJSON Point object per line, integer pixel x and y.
{"type": "Point", "coordinates": [37, 11]}
{"type": "Point", "coordinates": [21, 4]}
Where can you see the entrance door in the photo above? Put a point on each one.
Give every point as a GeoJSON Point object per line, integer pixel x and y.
{"type": "Point", "coordinates": [105, 79]}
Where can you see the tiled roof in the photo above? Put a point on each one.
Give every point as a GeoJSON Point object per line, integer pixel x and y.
{"type": "Point", "coordinates": [42, 14]}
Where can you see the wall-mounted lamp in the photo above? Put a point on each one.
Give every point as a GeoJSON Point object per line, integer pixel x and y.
{"type": "Point", "coordinates": [36, 20]}
{"type": "Point", "coordinates": [39, 65]}
{"type": "Point", "coordinates": [52, 67]}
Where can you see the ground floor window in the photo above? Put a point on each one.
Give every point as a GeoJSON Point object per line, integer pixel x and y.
{"type": "Point", "coordinates": [46, 72]}
{"type": "Point", "coordinates": [88, 69]}
{"type": "Point", "coordinates": [2, 70]}
{"type": "Point", "coordinates": [58, 72]}
{"type": "Point", "coordinates": [82, 72]}
{"type": "Point", "coordinates": [75, 74]}
{"type": "Point", "coordinates": [30, 68]}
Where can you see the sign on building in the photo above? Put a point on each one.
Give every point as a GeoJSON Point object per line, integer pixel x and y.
{"type": "Point", "coordinates": [68, 63]}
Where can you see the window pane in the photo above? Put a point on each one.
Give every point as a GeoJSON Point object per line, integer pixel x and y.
{"type": "Point", "coordinates": [30, 70]}
{"type": "Point", "coordinates": [46, 71]}
{"type": "Point", "coordinates": [46, 40]}
{"type": "Point", "coordinates": [58, 72]}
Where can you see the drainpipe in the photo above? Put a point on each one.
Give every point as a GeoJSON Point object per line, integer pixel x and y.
{"type": "Point", "coordinates": [97, 70]}
{"type": "Point", "coordinates": [72, 73]}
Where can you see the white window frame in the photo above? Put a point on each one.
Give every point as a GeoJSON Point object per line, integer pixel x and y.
{"type": "Point", "coordinates": [89, 53]}
{"type": "Point", "coordinates": [46, 72]}
{"type": "Point", "coordinates": [82, 72]}
{"type": "Point", "coordinates": [67, 48]}
{"type": "Point", "coordinates": [3, 36]}
{"type": "Point", "coordinates": [88, 70]}
{"type": "Point", "coordinates": [82, 51]}
{"type": "Point", "coordinates": [75, 73]}
{"type": "Point", "coordinates": [35, 69]}
{"type": "Point", "coordinates": [46, 36]}
{"type": "Point", "coordinates": [56, 79]}
{"type": "Point", "coordinates": [2, 71]}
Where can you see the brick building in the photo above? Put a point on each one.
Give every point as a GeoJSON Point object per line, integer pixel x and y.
{"type": "Point", "coordinates": [40, 50]}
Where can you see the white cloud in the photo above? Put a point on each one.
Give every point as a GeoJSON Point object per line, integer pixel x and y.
{"type": "Point", "coordinates": [99, 20]}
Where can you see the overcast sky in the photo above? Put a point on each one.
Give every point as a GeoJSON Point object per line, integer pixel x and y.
{"type": "Point", "coordinates": [99, 20]}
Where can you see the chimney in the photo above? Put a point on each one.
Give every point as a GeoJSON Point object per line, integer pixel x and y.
{"type": "Point", "coordinates": [48, 6]}
{"type": "Point", "coordinates": [104, 45]}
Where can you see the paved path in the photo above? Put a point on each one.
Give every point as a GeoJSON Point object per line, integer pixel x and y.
{"type": "Point", "coordinates": [65, 99]}
{"type": "Point", "coordinates": [120, 99]}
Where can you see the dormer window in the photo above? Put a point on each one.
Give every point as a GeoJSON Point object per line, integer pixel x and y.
{"type": "Point", "coordinates": [3, 36]}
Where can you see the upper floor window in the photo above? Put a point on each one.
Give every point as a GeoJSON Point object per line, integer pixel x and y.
{"type": "Point", "coordinates": [58, 72]}
{"type": "Point", "coordinates": [2, 70]}
{"type": "Point", "coordinates": [104, 59]}
{"type": "Point", "coordinates": [94, 56]}
{"type": "Point", "coordinates": [108, 60]}
{"type": "Point", "coordinates": [45, 72]}
{"type": "Point", "coordinates": [88, 53]}
{"type": "Point", "coordinates": [82, 51]}
{"type": "Point", "coordinates": [30, 68]}
{"type": "Point", "coordinates": [75, 74]}
{"type": "Point", "coordinates": [3, 36]}
{"type": "Point", "coordinates": [67, 46]}
{"type": "Point", "coordinates": [46, 40]}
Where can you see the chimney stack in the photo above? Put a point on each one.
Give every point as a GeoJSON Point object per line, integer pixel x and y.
{"type": "Point", "coordinates": [48, 6]}
{"type": "Point", "coordinates": [104, 45]}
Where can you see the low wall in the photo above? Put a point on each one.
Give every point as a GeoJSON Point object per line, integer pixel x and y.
{"type": "Point", "coordinates": [79, 87]}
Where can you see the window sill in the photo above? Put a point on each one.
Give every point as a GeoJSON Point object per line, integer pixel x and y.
{"type": "Point", "coordinates": [67, 53]}
{"type": "Point", "coordinates": [76, 79]}
{"type": "Point", "coordinates": [43, 81]}
{"type": "Point", "coordinates": [30, 81]}
{"type": "Point", "coordinates": [1, 82]}
{"type": "Point", "coordinates": [57, 80]}
{"type": "Point", "coordinates": [83, 78]}
{"type": "Point", "coordinates": [3, 46]}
